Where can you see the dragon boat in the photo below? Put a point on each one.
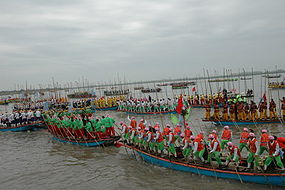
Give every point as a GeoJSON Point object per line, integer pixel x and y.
{"type": "Point", "coordinates": [65, 135]}
{"type": "Point", "coordinates": [246, 122]}
{"type": "Point", "coordinates": [106, 108]}
{"type": "Point", "coordinates": [89, 142]}
{"type": "Point", "coordinates": [25, 127]}
{"type": "Point", "coordinates": [276, 179]}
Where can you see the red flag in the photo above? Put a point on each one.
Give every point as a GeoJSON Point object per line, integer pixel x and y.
{"type": "Point", "coordinates": [264, 97]}
{"type": "Point", "coordinates": [179, 105]}
{"type": "Point", "coordinates": [193, 89]}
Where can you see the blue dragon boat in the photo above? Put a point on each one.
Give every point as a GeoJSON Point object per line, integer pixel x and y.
{"type": "Point", "coordinates": [276, 179]}
{"type": "Point", "coordinates": [236, 122]}
{"type": "Point", "coordinates": [25, 127]}
{"type": "Point", "coordinates": [89, 143]}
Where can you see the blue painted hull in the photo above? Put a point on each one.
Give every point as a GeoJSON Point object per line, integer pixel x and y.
{"type": "Point", "coordinates": [151, 113]}
{"type": "Point", "coordinates": [32, 126]}
{"type": "Point", "coordinates": [270, 179]}
{"type": "Point", "coordinates": [88, 144]}
{"type": "Point", "coordinates": [243, 122]}
{"type": "Point", "coordinates": [107, 108]}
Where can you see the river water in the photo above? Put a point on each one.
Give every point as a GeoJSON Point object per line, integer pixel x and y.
{"type": "Point", "coordinates": [32, 160]}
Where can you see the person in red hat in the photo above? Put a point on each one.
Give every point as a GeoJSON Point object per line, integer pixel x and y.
{"type": "Point", "coordinates": [263, 146]}
{"type": "Point", "coordinates": [234, 154]}
{"type": "Point", "coordinates": [274, 153]}
{"type": "Point", "coordinates": [215, 150]}
{"type": "Point", "coordinates": [226, 136]}
{"type": "Point", "coordinates": [252, 156]}
{"type": "Point", "coordinates": [244, 136]}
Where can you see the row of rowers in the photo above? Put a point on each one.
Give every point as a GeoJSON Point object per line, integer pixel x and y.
{"type": "Point", "coordinates": [243, 111]}
{"type": "Point", "coordinates": [171, 141]}
{"type": "Point", "coordinates": [19, 117]}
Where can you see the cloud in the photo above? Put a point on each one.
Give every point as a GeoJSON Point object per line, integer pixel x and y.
{"type": "Point", "coordinates": [139, 39]}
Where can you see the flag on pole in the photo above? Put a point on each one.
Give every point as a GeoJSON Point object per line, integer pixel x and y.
{"type": "Point", "coordinates": [174, 119]}
{"type": "Point", "coordinates": [264, 97]}
{"type": "Point", "coordinates": [179, 105]}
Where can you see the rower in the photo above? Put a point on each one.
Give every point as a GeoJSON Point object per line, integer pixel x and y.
{"type": "Point", "coordinates": [232, 111]}
{"type": "Point", "coordinates": [225, 112]}
{"type": "Point", "coordinates": [283, 107]}
{"type": "Point", "coordinates": [272, 109]}
{"type": "Point", "coordinates": [246, 111]}
{"type": "Point", "coordinates": [253, 111]}
{"type": "Point", "coordinates": [240, 108]}
{"type": "Point", "coordinates": [142, 124]}
{"type": "Point", "coordinates": [207, 110]}
{"type": "Point", "coordinates": [253, 152]}
{"type": "Point", "coordinates": [150, 140]}
{"type": "Point", "coordinates": [216, 115]}
{"type": "Point", "coordinates": [274, 153]}
{"type": "Point", "coordinates": [226, 136]}
{"type": "Point", "coordinates": [215, 150]}
{"type": "Point", "coordinates": [177, 130]}
{"type": "Point", "coordinates": [234, 154]}
{"type": "Point", "coordinates": [199, 149]}
{"type": "Point", "coordinates": [263, 142]}
{"type": "Point", "coordinates": [187, 131]}
{"type": "Point", "coordinates": [159, 141]}
{"type": "Point", "coordinates": [187, 143]}
{"type": "Point", "coordinates": [133, 122]}
{"type": "Point", "coordinates": [244, 139]}
{"type": "Point", "coordinates": [171, 144]}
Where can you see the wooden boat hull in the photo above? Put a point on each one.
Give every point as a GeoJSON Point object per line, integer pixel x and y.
{"type": "Point", "coordinates": [32, 126]}
{"type": "Point", "coordinates": [261, 178]}
{"type": "Point", "coordinates": [232, 123]}
{"type": "Point", "coordinates": [93, 143]}
{"type": "Point", "coordinates": [107, 108]}
{"type": "Point", "coordinates": [151, 113]}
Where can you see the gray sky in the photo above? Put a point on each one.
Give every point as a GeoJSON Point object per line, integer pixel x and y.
{"type": "Point", "coordinates": [145, 39]}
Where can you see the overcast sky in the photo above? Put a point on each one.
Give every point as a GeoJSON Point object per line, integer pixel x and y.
{"type": "Point", "coordinates": [138, 39]}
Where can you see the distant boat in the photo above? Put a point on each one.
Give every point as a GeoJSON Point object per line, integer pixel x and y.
{"type": "Point", "coordinates": [186, 83]}
{"type": "Point", "coordinates": [80, 95]}
{"type": "Point", "coordinates": [277, 85]}
{"type": "Point", "coordinates": [162, 84]}
{"type": "Point", "coordinates": [116, 92]}
{"type": "Point", "coordinates": [138, 88]}
{"type": "Point", "coordinates": [245, 78]}
{"type": "Point", "coordinates": [223, 80]}
{"type": "Point", "coordinates": [150, 90]}
{"type": "Point", "coordinates": [271, 76]}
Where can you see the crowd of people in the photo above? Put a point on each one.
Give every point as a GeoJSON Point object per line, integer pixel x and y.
{"type": "Point", "coordinates": [17, 118]}
{"type": "Point", "coordinates": [104, 102]}
{"type": "Point", "coordinates": [80, 126]}
{"type": "Point", "coordinates": [147, 105]}
{"type": "Point", "coordinates": [243, 111]}
{"type": "Point", "coordinates": [176, 142]}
